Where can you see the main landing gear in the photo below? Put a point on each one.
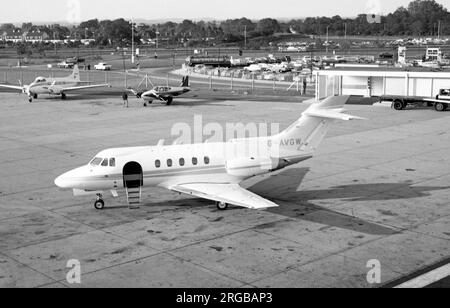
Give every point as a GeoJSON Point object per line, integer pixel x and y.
{"type": "Point", "coordinates": [99, 203]}
{"type": "Point", "coordinates": [31, 97]}
{"type": "Point", "coordinates": [222, 206]}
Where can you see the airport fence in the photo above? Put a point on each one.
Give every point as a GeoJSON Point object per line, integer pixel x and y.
{"type": "Point", "coordinates": [121, 80]}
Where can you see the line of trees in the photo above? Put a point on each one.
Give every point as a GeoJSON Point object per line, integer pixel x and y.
{"type": "Point", "coordinates": [419, 18]}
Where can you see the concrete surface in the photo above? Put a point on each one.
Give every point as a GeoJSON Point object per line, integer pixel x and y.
{"type": "Point", "coordinates": [377, 189]}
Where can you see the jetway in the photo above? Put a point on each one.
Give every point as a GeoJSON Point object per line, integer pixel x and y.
{"type": "Point", "coordinates": [369, 83]}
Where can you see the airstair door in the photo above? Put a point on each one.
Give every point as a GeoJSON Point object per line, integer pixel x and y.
{"type": "Point", "coordinates": [133, 180]}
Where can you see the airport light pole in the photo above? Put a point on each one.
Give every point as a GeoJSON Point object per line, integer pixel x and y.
{"type": "Point", "coordinates": [132, 41]}
{"type": "Point", "coordinates": [326, 43]}
{"type": "Point", "coordinates": [439, 30]}
{"type": "Point", "coordinates": [157, 42]}
{"type": "Point", "coordinates": [54, 43]}
{"type": "Point", "coordinates": [245, 35]}
{"type": "Point", "coordinates": [345, 31]}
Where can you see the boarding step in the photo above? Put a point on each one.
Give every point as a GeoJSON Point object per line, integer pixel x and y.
{"type": "Point", "coordinates": [134, 196]}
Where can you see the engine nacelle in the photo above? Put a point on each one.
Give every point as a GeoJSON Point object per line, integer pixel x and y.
{"type": "Point", "coordinates": [253, 166]}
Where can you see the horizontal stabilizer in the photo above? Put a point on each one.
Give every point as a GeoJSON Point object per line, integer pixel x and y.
{"type": "Point", "coordinates": [334, 114]}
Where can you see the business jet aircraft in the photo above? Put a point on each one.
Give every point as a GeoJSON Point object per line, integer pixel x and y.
{"type": "Point", "coordinates": [54, 86]}
{"type": "Point", "coordinates": [210, 171]}
{"type": "Point", "coordinates": [163, 93]}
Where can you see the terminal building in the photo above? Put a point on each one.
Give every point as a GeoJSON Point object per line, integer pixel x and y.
{"type": "Point", "coordinates": [375, 82]}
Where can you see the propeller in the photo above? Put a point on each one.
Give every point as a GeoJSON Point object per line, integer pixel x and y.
{"type": "Point", "coordinates": [25, 88]}
{"type": "Point", "coordinates": [52, 85]}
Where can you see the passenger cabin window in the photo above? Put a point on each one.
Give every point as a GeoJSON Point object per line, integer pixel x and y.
{"type": "Point", "coordinates": [112, 162]}
{"type": "Point", "coordinates": [182, 162]}
{"type": "Point", "coordinates": [207, 160]}
{"type": "Point", "coordinates": [105, 163]}
{"type": "Point", "coordinates": [158, 164]}
{"type": "Point", "coordinates": [194, 161]}
{"type": "Point", "coordinates": [169, 163]}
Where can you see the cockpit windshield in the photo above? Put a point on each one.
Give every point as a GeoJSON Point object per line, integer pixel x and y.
{"type": "Point", "coordinates": [96, 161]}
{"type": "Point", "coordinates": [40, 79]}
{"type": "Point", "coordinates": [104, 162]}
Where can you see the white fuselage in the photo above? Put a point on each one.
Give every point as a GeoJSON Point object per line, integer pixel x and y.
{"type": "Point", "coordinates": [229, 162]}
{"type": "Point", "coordinates": [210, 171]}
{"type": "Point", "coordinates": [52, 86]}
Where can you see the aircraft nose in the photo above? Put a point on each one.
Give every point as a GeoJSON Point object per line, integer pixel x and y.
{"type": "Point", "coordinates": [70, 179]}
{"type": "Point", "coordinates": [62, 181]}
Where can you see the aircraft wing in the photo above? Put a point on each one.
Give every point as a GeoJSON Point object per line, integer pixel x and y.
{"type": "Point", "coordinates": [228, 193]}
{"type": "Point", "coordinates": [11, 87]}
{"type": "Point", "coordinates": [160, 97]}
{"type": "Point", "coordinates": [85, 87]}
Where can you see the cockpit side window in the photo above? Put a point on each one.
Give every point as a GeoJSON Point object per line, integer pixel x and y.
{"type": "Point", "coordinates": [105, 163]}
{"type": "Point", "coordinates": [112, 162]}
{"type": "Point", "coordinates": [96, 161]}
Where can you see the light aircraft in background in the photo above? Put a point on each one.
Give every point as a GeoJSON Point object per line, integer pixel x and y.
{"type": "Point", "coordinates": [55, 86]}
{"type": "Point", "coordinates": [211, 171]}
{"type": "Point", "coordinates": [163, 93]}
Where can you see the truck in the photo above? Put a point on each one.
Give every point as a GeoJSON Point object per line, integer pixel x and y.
{"type": "Point", "coordinates": [440, 103]}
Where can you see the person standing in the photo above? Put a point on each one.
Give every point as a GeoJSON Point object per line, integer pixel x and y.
{"type": "Point", "coordinates": [125, 99]}
{"type": "Point", "coordinates": [305, 86]}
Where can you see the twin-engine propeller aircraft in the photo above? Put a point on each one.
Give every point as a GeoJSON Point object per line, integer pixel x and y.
{"type": "Point", "coordinates": [210, 171]}
{"type": "Point", "coordinates": [163, 93]}
{"type": "Point", "coordinates": [55, 86]}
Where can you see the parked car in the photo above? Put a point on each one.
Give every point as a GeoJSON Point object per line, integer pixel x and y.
{"type": "Point", "coordinates": [64, 64]}
{"type": "Point", "coordinates": [103, 67]}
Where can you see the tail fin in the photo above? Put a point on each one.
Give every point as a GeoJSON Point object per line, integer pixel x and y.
{"type": "Point", "coordinates": [306, 134]}
{"type": "Point", "coordinates": [76, 73]}
{"type": "Point", "coordinates": [185, 82]}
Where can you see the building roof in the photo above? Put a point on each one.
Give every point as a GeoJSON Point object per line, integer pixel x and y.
{"type": "Point", "coordinates": [385, 72]}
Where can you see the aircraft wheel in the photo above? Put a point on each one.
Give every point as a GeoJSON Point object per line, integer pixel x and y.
{"type": "Point", "coordinates": [35, 96]}
{"type": "Point", "coordinates": [169, 101]}
{"type": "Point", "coordinates": [440, 107]}
{"type": "Point", "coordinates": [30, 99]}
{"type": "Point", "coordinates": [99, 204]}
{"type": "Point", "coordinates": [222, 206]}
{"type": "Point", "coordinates": [63, 96]}
{"type": "Point", "coordinates": [398, 105]}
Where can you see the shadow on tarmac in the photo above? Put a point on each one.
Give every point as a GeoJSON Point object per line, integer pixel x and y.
{"type": "Point", "coordinates": [298, 204]}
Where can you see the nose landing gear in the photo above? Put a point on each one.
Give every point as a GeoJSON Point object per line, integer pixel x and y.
{"type": "Point", "coordinates": [32, 96]}
{"type": "Point", "coordinates": [99, 203]}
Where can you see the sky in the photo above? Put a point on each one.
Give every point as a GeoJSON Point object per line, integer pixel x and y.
{"type": "Point", "coordinates": [74, 11]}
